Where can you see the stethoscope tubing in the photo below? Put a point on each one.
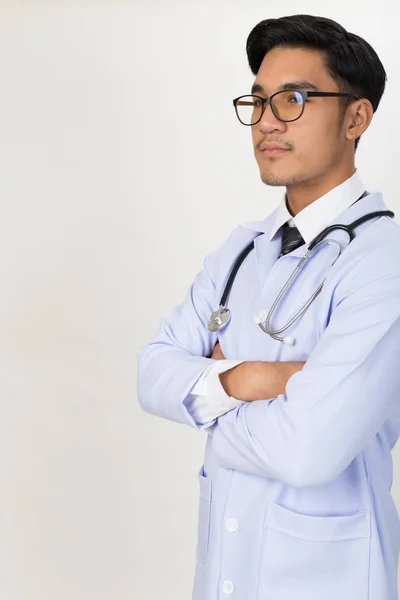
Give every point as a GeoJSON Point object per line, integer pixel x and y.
{"type": "Point", "coordinates": [349, 229]}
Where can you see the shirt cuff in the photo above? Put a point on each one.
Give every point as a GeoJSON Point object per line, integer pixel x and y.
{"type": "Point", "coordinates": [221, 402]}
{"type": "Point", "coordinates": [208, 400]}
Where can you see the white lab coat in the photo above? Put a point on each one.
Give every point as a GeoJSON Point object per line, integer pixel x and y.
{"type": "Point", "coordinates": [295, 497]}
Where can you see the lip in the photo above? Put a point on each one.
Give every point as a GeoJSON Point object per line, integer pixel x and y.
{"type": "Point", "coordinates": [274, 151]}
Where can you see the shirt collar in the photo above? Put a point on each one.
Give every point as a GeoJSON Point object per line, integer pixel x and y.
{"type": "Point", "coordinates": [317, 215]}
{"type": "Point", "coordinates": [275, 220]}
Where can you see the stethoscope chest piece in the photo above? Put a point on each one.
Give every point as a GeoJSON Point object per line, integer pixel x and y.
{"type": "Point", "coordinates": [219, 318]}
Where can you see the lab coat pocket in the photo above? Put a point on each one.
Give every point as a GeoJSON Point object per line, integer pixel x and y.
{"type": "Point", "coordinates": [204, 518]}
{"type": "Point", "coordinates": [313, 557]}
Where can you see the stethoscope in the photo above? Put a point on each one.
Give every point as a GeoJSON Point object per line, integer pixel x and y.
{"type": "Point", "coordinates": [221, 317]}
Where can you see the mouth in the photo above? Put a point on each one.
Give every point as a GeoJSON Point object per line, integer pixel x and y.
{"type": "Point", "coordinates": [274, 151]}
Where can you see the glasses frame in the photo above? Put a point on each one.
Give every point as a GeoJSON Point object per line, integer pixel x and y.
{"type": "Point", "coordinates": [304, 93]}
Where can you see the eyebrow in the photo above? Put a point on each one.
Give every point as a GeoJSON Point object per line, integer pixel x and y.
{"type": "Point", "coordinates": [302, 84]}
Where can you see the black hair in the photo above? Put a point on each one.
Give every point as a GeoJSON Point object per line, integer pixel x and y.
{"type": "Point", "coordinates": [348, 58]}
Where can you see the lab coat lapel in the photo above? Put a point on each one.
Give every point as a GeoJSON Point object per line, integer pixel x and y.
{"type": "Point", "coordinates": [266, 252]}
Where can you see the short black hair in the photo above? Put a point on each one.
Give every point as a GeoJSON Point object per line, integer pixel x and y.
{"type": "Point", "coordinates": [348, 58]}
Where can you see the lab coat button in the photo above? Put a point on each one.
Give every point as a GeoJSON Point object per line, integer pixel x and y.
{"type": "Point", "coordinates": [232, 525]}
{"type": "Point", "coordinates": [227, 587]}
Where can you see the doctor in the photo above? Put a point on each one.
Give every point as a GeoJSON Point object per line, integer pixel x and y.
{"type": "Point", "coordinates": [295, 499]}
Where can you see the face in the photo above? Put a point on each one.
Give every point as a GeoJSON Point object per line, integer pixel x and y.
{"type": "Point", "coordinates": [317, 147]}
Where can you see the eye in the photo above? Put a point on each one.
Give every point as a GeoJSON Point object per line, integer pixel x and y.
{"type": "Point", "coordinates": [295, 98]}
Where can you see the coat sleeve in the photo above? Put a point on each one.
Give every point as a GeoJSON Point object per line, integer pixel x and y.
{"type": "Point", "coordinates": [337, 403]}
{"type": "Point", "coordinates": [171, 364]}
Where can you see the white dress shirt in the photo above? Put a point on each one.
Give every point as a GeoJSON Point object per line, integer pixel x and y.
{"type": "Point", "coordinates": [208, 399]}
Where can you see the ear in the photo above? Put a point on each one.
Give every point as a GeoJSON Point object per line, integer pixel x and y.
{"type": "Point", "coordinates": [359, 116]}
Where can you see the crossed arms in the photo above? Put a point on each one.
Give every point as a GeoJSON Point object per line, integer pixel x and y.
{"type": "Point", "coordinates": [256, 380]}
{"type": "Point", "coordinates": [334, 404]}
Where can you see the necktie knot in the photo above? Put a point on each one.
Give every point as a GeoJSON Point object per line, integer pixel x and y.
{"type": "Point", "coordinates": [291, 239]}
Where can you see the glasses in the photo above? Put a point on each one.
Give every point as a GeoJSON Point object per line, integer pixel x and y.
{"type": "Point", "coordinates": [287, 105]}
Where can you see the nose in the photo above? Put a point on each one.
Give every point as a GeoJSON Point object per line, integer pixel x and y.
{"type": "Point", "coordinates": [269, 122]}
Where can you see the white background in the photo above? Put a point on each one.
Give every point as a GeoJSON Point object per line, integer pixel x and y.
{"type": "Point", "coordinates": [122, 165]}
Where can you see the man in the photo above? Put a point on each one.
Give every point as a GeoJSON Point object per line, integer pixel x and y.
{"type": "Point", "coordinates": [302, 414]}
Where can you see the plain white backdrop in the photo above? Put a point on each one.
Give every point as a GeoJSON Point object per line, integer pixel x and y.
{"type": "Point", "coordinates": [122, 165]}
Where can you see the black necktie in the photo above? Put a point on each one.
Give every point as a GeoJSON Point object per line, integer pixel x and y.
{"type": "Point", "coordinates": [291, 239]}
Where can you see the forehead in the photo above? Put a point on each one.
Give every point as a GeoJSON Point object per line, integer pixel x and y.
{"type": "Point", "coordinates": [281, 65]}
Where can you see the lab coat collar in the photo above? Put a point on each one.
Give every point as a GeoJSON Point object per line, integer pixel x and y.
{"type": "Point", "coordinates": [268, 251]}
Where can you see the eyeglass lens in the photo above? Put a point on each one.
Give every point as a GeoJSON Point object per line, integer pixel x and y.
{"type": "Point", "coordinates": [286, 105]}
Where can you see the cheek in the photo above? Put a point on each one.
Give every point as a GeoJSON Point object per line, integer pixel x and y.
{"type": "Point", "coordinates": [315, 136]}
{"type": "Point", "coordinates": [319, 116]}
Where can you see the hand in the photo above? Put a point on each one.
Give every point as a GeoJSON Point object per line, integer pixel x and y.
{"type": "Point", "coordinates": [217, 353]}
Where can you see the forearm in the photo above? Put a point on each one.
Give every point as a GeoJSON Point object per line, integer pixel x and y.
{"type": "Point", "coordinates": [258, 380]}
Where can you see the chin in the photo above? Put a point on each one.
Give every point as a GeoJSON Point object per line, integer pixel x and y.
{"type": "Point", "coordinates": [276, 179]}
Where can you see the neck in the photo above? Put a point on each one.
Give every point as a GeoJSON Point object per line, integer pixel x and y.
{"type": "Point", "coordinates": [300, 195]}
